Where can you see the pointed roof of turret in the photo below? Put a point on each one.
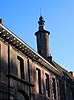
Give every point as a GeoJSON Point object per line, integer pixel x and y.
{"type": "Point", "coordinates": [41, 23]}
{"type": "Point", "coordinates": [41, 27]}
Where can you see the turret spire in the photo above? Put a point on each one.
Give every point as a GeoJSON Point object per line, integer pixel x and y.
{"type": "Point", "coordinates": [41, 23]}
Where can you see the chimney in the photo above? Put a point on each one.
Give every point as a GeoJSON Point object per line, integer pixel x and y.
{"type": "Point", "coordinates": [72, 73]}
{"type": "Point", "coordinates": [1, 21]}
{"type": "Point", "coordinates": [49, 58]}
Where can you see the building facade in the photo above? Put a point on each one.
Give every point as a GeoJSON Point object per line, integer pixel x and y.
{"type": "Point", "coordinates": [66, 83]}
{"type": "Point", "coordinates": [26, 74]}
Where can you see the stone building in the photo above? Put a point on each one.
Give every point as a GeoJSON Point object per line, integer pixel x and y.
{"type": "Point", "coordinates": [26, 74]}
{"type": "Point", "coordinates": [66, 83]}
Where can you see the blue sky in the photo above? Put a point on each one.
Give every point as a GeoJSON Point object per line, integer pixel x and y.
{"type": "Point", "coordinates": [21, 17]}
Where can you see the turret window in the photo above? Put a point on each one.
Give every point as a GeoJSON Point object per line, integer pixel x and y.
{"type": "Point", "coordinates": [40, 35]}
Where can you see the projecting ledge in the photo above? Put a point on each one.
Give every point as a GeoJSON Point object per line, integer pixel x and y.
{"type": "Point", "coordinates": [20, 80]}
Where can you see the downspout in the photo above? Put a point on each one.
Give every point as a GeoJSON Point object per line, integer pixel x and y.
{"type": "Point", "coordinates": [65, 90]}
{"type": "Point", "coordinates": [29, 79]}
{"type": "Point", "coordinates": [8, 72]}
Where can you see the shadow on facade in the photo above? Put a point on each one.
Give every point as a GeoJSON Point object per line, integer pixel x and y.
{"type": "Point", "coordinates": [24, 94]}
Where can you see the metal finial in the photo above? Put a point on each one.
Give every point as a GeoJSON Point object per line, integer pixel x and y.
{"type": "Point", "coordinates": [40, 11]}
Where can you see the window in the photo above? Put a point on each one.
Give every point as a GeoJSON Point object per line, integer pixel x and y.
{"type": "Point", "coordinates": [29, 70]}
{"type": "Point", "coordinates": [58, 92]}
{"type": "Point", "coordinates": [38, 80]}
{"type": "Point", "coordinates": [53, 88]}
{"type": "Point", "coordinates": [20, 67]}
{"type": "Point", "coordinates": [47, 85]}
{"type": "Point", "coordinates": [40, 35]}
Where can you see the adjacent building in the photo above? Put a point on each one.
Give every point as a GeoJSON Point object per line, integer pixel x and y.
{"type": "Point", "coordinates": [28, 75]}
{"type": "Point", "coordinates": [66, 83]}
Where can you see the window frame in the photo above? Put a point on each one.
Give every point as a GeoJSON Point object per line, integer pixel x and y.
{"type": "Point", "coordinates": [47, 85]}
{"type": "Point", "coordinates": [54, 88]}
{"type": "Point", "coordinates": [21, 65]}
{"type": "Point", "coordinates": [38, 83]}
